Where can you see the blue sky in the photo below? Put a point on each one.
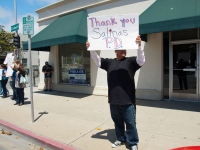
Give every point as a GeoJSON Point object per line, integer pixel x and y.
{"type": "Point", "coordinates": [24, 8]}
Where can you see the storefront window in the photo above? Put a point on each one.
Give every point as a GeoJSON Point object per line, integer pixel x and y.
{"type": "Point", "coordinates": [74, 64]}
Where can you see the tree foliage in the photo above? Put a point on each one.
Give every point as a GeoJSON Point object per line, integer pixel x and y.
{"type": "Point", "coordinates": [6, 42]}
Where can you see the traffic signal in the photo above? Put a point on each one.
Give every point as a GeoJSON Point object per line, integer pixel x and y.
{"type": "Point", "coordinates": [17, 41]}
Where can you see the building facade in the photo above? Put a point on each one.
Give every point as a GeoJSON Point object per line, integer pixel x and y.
{"type": "Point", "coordinates": [170, 34]}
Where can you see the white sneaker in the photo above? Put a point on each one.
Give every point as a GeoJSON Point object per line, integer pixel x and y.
{"type": "Point", "coordinates": [134, 147]}
{"type": "Point", "coordinates": [117, 144]}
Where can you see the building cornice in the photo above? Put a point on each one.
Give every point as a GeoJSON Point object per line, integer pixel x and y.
{"type": "Point", "coordinates": [71, 11]}
{"type": "Point", "coordinates": [54, 5]}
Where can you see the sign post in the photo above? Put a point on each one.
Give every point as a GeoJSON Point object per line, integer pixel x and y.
{"type": "Point", "coordinates": [28, 29]}
{"type": "Point", "coordinates": [16, 39]}
{"type": "Point", "coordinates": [15, 28]}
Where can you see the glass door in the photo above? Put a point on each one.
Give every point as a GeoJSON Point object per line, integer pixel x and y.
{"type": "Point", "coordinates": [184, 72]}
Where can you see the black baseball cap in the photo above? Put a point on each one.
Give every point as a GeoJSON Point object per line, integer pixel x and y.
{"type": "Point", "coordinates": [46, 63]}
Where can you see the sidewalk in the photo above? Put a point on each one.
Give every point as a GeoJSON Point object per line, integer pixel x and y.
{"type": "Point", "coordinates": [83, 121]}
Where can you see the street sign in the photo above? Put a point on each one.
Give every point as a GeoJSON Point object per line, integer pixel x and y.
{"type": "Point", "coordinates": [15, 27]}
{"type": "Point", "coordinates": [28, 25]}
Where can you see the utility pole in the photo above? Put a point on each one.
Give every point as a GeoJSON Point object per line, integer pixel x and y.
{"type": "Point", "coordinates": [16, 32]}
{"type": "Point", "coordinates": [28, 29]}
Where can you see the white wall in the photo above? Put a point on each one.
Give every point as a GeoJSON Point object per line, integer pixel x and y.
{"type": "Point", "coordinates": [69, 6]}
{"type": "Point", "coordinates": [35, 57]}
{"type": "Point", "coordinates": [52, 58]}
{"type": "Point", "coordinates": [44, 56]}
{"type": "Point", "coordinates": [121, 7]}
{"type": "Point", "coordinates": [148, 80]}
{"type": "Point", "coordinates": [102, 7]}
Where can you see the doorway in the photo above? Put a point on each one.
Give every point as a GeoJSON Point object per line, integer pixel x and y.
{"type": "Point", "coordinates": [184, 71]}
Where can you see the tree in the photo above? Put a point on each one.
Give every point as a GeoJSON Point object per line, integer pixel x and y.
{"type": "Point", "coordinates": [6, 42]}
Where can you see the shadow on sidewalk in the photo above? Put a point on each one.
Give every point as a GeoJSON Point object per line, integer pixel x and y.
{"type": "Point", "coordinates": [177, 105]}
{"type": "Point", "coordinates": [108, 134]}
{"type": "Point", "coordinates": [63, 94]}
{"type": "Point", "coordinates": [41, 113]}
{"type": "Point", "coordinates": [27, 102]}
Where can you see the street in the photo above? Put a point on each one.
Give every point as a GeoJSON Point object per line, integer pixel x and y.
{"type": "Point", "coordinates": [13, 142]}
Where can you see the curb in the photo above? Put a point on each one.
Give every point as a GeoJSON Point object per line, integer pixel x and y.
{"type": "Point", "coordinates": [45, 142]}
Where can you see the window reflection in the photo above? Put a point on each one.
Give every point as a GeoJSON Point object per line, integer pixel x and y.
{"type": "Point", "coordinates": [184, 68]}
{"type": "Point", "coordinates": [74, 64]}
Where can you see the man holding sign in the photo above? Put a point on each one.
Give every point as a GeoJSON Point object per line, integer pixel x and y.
{"type": "Point", "coordinates": [121, 92]}
{"type": "Point", "coordinates": [118, 32]}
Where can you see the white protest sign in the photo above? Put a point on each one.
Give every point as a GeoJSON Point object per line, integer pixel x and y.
{"type": "Point", "coordinates": [9, 61]}
{"type": "Point", "coordinates": [1, 74]}
{"type": "Point", "coordinates": [9, 71]}
{"type": "Point", "coordinates": [6, 60]}
{"type": "Point", "coordinates": [113, 32]}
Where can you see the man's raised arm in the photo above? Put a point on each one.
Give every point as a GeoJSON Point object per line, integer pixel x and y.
{"type": "Point", "coordinates": [140, 55]}
{"type": "Point", "coordinates": [94, 56]}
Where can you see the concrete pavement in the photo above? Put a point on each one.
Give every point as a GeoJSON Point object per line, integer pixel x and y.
{"type": "Point", "coordinates": [13, 142]}
{"type": "Point", "coordinates": [83, 121]}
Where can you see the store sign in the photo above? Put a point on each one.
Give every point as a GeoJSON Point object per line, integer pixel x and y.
{"type": "Point", "coordinates": [77, 76]}
{"type": "Point", "coordinates": [113, 32]}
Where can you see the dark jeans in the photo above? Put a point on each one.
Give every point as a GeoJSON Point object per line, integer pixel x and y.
{"type": "Point", "coordinates": [12, 85]}
{"type": "Point", "coordinates": [183, 80]}
{"type": "Point", "coordinates": [20, 95]}
{"type": "Point", "coordinates": [3, 84]}
{"type": "Point", "coordinates": [125, 114]}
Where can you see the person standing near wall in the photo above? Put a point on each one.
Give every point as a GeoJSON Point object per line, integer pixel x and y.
{"type": "Point", "coordinates": [182, 75]}
{"type": "Point", "coordinates": [1, 90]}
{"type": "Point", "coordinates": [19, 86]}
{"type": "Point", "coordinates": [121, 92]}
{"type": "Point", "coordinates": [47, 70]}
{"type": "Point", "coordinates": [4, 80]}
{"type": "Point", "coordinates": [12, 85]}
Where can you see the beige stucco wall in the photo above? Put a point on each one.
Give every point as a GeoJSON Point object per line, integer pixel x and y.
{"type": "Point", "coordinates": [148, 80]}
{"type": "Point", "coordinates": [44, 56]}
{"type": "Point", "coordinates": [52, 58]}
{"type": "Point", "coordinates": [121, 7]}
{"type": "Point", "coordinates": [67, 7]}
{"type": "Point", "coordinates": [94, 7]}
{"type": "Point", "coordinates": [34, 55]}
